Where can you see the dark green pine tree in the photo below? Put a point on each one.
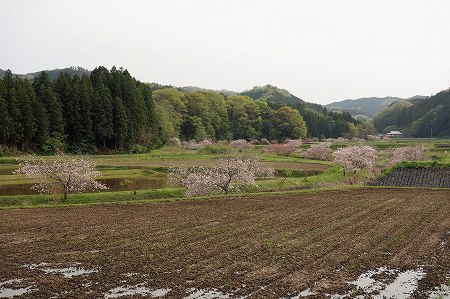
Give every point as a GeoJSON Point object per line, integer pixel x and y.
{"type": "Point", "coordinates": [120, 123]}
{"type": "Point", "coordinates": [86, 94]}
{"type": "Point", "coordinates": [42, 123]}
{"type": "Point", "coordinates": [63, 92]}
{"type": "Point", "coordinates": [152, 123]}
{"type": "Point", "coordinates": [103, 114]}
{"type": "Point", "coordinates": [4, 121]}
{"type": "Point", "coordinates": [26, 99]}
{"type": "Point", "coordinates": [136, 111]}
{"type": "Point", "coordinates": [45, 94]}
{"type": "Point", "coordinates": [15, 127]}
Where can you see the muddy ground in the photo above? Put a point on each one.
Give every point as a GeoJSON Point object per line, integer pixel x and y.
{"type": "Point", "coordinates": [265, 247]}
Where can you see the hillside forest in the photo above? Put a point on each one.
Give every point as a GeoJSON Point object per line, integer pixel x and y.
{"type": "Point", "coordinates": [428, 117]}
{"type": "Point", "coordinates": [109, 110]}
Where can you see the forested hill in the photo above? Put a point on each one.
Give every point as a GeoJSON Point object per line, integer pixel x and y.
{"type": "Point", "coordinates": [108, 110]}
{"type": "Point", "coordinates": [417, 117]}
{"type": "Point", "coordinates": [272, 94]}
{"type": "Point", "coordinates": [52, 74]}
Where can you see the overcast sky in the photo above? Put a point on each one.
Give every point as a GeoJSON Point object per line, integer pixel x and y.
{"type": "Point", "coordinates": [320, 51]}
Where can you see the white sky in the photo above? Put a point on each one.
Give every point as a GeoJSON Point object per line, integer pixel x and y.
{"type": "Point", "coordinates": [320, 50]}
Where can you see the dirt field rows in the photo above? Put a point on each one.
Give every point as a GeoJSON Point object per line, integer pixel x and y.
{"type": "Point", "coordinates": [261, 247]}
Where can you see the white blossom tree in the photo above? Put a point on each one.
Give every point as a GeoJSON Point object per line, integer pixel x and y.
{"type": "Point", "coordinates": [408, 153]}
{"type": "Point", "coordinates": [227, 175]}
{"type": "Point", "coordinates": [321, 151]}
{"type": "Point", "coordinates": [62, 173]}
{"type": "Point", "coordinates": [354, 158]}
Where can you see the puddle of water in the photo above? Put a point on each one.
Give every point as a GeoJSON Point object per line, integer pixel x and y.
{"type": "Point", "coordinates": [11, 291]}
{"type": "Point", "coordinates": [404, 284]}
{"type": "Point", "coordinates": [304, 293]}
{"type": "Point", "coordinates": [443, 292]}
{"type": "Point", "coordinates": [135, 290]}
{"type": "Point", "coordinates": [67, 272]}
{"type": "Point", "coordinates": [206, 294]}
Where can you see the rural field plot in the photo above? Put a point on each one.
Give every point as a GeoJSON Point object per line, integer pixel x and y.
{"type": "Point", "coordinates": [357, 243]}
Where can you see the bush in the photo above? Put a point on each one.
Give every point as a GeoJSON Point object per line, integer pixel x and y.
{"type": "Point", "coordinates": [215, 149]}
{"type": "Point", "coordinates": [174, 141]}
{"type": "Point", "coordinates": [138, 149]}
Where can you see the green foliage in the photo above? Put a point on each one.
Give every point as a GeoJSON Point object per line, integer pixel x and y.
{"type": "Point", "coordinates": [216, 149]}
{"type": "Point", "coordinates": [138, 149]}
{"type": "Point", "coordinates": [429, 117]}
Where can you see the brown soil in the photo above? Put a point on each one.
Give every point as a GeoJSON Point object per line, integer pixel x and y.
{"type": "Point", "coordinates": [269, 247]}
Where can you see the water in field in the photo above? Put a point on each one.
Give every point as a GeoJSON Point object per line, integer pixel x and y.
{"type": "Point", "coordinates": [129, 290]}
{"type": "Point", "coordinates": [156, 181]}
{"type": "Point", "coordinates": [67, 272]}
{"type": "Point", "coordinates": [378, 284]}
{"type": "Point", "coordinates": [14, 287]}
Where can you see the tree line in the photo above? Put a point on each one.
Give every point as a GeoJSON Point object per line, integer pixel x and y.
{"type": "Point", "coordinates": [110, 110]}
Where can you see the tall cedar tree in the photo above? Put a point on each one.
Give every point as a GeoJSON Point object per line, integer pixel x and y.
{"type": "Point", "coordinates": [53, 108]}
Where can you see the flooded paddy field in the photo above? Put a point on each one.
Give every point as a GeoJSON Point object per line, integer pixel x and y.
{"type": "Point", "coordinates": [358, 243]}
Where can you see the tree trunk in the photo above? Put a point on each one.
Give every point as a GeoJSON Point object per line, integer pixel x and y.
{"type": "Point", "coordinates": [65, 194]}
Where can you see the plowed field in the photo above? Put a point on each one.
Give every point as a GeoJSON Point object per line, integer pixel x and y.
{"type": "Point", "coordinates": [262, 247]}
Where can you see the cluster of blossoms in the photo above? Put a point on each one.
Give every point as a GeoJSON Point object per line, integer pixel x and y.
{"type": "Point", "coordinates": [355, 157]}
{"type": "Point", "coordinates": [68, 174]}
{"type": "Point", "coordinates": [227, 175]}
{"type": "Point", "coordinates": [194, 145]}
{"type": "Point", "coordinates": [408, 153]}
{"type": "Point", "coordinates": [285, 149]}
{"type": "Point", "coordinates": [241, 144]}
{"type": "Point", "coordinates": [320, 151]}
{"type": "Point", "coordinates": [293, 142]}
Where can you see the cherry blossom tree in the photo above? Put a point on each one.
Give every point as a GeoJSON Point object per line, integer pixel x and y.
{"type": "Point", "coordinates": [408, 153]}
{"type": "Point", "coordinates": [63, 173]}
{"type": "Point", "coordinates": [285, 149]}
{"type": "Point", "coordinates": [321, 151]}
{"type": "Point", "coordinates": [227, 175]}
{"type": "Point", "coordinates": [354, 158]}
{"type": "Point", "coordinates": [241, 144]}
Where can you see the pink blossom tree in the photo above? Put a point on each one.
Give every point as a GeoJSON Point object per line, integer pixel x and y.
{"type": "Point", "coordinates": [354, 158]}
{"type": "Point", "coordinates": [227, 175]}
{"type": "Point", "coordinates": [241, 144]}
{"type": "Point", "coordinates": [408, 153]}
{"type": "Point", "coordinates": [321, 151]}
{"type": "Point", "coordinates": [63, 173]}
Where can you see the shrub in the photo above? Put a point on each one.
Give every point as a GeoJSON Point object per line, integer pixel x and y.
{"type": "Point", "coordinates": [138, 149]}
{"type": "Point", "coordinates": [215, 149]}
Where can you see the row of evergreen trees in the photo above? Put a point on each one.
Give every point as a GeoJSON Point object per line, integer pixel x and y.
{"type": "Point", "coordinates": [110, 110]}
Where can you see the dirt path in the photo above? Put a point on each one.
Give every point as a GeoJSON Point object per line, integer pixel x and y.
{"type": "Point", "coordinates": [266, 247]}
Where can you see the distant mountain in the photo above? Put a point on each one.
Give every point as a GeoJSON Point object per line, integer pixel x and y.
{"type": "Point", "coordinates": [368, 106]}
{"type": "Point", "coordinates": [52, 74]}
{"type": "Point", "coordinates": [227, 93]}
{"type": "Point", "coordinates": [364, 106]}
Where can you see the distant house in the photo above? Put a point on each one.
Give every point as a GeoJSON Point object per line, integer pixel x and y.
{"type": "Point", "coordinates": [394, 134]}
